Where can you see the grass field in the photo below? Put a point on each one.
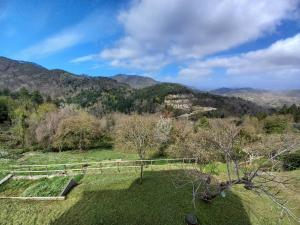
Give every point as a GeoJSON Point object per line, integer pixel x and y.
{"type": "Point", "coordinates": [73, 156]}
{"type": "Point", "coordinates": [38, 157]}
{"type": "Point", "coordinates": [2, 175]}
{"type": "Point", "coordinates": [117, 198]}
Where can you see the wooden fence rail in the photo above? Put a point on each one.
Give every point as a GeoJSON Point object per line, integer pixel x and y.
{"type": "Point", "coordinates": [100, 166]}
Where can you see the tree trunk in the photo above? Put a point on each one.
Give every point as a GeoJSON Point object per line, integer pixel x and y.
{"type": "Point", "coordinates": [228, 168]}
{"type": "Point", "coordinates": [236, 168]}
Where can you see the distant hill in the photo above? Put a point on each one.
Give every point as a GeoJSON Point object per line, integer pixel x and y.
{"type": "Point", "coordinates": [135, 81]}
{"type": "Point", "coordinates": [55, 83]}
{"type": "Point", "coordinates": [262, 97]}
{"type": "Point", "coordinates": [123, 93]}
{"type": "Point", "coordinates": [153, 97]}
{"type": "Point", "coordinates": [226, 91]}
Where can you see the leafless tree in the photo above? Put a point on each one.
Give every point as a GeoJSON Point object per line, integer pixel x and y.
{"type": "Point", "coordinates": [136, 133]}
{"type": "Point", "coordinates": [225, 138]}
{"type": "Point", "coordinates": [162, 133]}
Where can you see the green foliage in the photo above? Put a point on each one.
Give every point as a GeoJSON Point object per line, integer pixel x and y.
{"type": "Point", "coordinates": [201, 123]}
{"type": "Point", "coordinates": [78, 177]}
{"type": "Point", "coordinates": [291, 161]}
{"type": "Point", "coordinates": [292, 110]}
{"type": "Point", "coordinates": [78, 131]}
{"type": "Point", "coordinates": [37, 98]}
{"type": "Point", "coordinates": [154, 202]}
{"type": "Point", "coordinates": [4, 110]}
{"type": "Point", "coordinates": [275, 124]}
{"type": "Point", "coordinates": [15, 187]}
{"type": "Point", "coordinates": [46, 187]}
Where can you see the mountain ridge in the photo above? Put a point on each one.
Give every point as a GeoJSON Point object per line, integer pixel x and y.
{"type": "Point", "coordinates": [59, 83]}
{"type": "Point", "coordinates": [55, 83]}
{"type": "Point", "coordinates": [135, 81]}
{"type": "Point", "coordinates": [269, 98]}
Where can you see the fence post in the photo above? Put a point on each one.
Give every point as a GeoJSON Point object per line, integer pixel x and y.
{"type": "Point", "coordinates": [47, 170]}
{"type": "Point", "coordinates": [30, 174]}
{"type": "Point", "coordinates": [65, 169]}
{"type": "Point", "coordinates": [100, 166]}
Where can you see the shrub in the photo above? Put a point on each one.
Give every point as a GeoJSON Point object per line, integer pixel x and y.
{"type": "Point", "coordinates": [80, 131]}
{"type": "Point", "coordinates": [275, 124]}
{"type": "Point", "coordinates": [291, 161]}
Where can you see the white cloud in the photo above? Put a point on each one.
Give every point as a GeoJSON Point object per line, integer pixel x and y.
{"type": "Point", "coordinates": [84, 58]}
{"type": "Point", "coordinates": [280, 61]}
{"type": "Point", "coordinates": [85, 31]}
{"type": "Point", "coordinates": [159, 32]}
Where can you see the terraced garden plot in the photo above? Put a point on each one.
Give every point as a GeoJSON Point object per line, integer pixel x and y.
{"type": "Point", "coordinates": [44, 187]}
{"type": "Point", "coordinates": [13, 188]}
{"type": "Point", "coordinates": [2, 175]}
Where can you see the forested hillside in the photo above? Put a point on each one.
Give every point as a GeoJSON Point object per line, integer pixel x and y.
{"type": "Point", "coordinates": [55, 83]}
{"type": "Point", "coordinates": [135, 81]}
{"type": "Point", "coordinates": [101, 95]}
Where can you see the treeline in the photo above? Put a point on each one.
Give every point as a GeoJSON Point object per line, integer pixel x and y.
{"type": "Point", "coordinates": [292, 110]}
{"type": "Point", "coordinates": [249, 138]}
{"type": "Point", "coordinates": [10, 101]}
{"type": "Point", "coordinates": [124, 100]}
{"type": "Point", "coordinates": [29, 121]}
{"type": "Point", "coordinates": [151, 100]}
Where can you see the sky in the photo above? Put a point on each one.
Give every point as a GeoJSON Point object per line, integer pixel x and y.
{"type": "Point", "coordinates": [200, 43]}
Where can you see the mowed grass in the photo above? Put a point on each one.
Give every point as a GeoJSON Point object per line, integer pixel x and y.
{"type": "Point", "coordinates": [120, 199]}
{"type": "Point", "coordinates": [73, 156]}
{"type": "Point", "coordinates": [117, 198]}
{"type": "Point", "coordinates": [44, 158]}
{"type": "Point", "coordinates": [2, 175]}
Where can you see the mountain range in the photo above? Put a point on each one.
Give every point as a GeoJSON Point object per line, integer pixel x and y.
{"type": "Point", "coordinates": [267, 98]}
{"type": "Point", "coordinates": [135, 81]}
{"type": "Point", "coordinates": [55, 83]}
{"type": "Point", "coordinates": [131, 89]}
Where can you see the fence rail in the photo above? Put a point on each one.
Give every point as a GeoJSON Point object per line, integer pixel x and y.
{"type": "Point", "coordinates": [101, 166]}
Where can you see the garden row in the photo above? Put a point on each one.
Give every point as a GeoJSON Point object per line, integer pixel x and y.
{"type": "Point", "coordinates": [55, 188]}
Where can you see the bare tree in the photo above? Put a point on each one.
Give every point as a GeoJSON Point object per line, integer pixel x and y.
{"type": "Point", "coordinates": [136, 133]}
{"type": "Point", "coordinates": [163, 134]}
{"type": "Point", "coordinates": [225, 138]}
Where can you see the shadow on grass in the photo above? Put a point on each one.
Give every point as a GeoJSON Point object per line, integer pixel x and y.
{"type": "Point", "coordinates": [155, 202]}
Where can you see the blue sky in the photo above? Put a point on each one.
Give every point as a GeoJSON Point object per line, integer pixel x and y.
{"type": "Point", "coordinates": [205, 44]}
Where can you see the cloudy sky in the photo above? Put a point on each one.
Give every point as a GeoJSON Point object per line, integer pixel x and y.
{"type": "Point", "coordinates": [201, 43]}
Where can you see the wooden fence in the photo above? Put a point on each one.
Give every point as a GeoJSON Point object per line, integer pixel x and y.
{"type": "Point", "coordinates": [96, 167]}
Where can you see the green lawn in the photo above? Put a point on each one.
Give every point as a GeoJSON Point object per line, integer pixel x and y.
{"type": "Point", "coordinates": [42, 158]}
{"type": "Point", "coordinates": [116, 198]}
{"type": "Point", "coordinates": [73, 156]}
{"type": "Point", "coordinates": [2, 175]}
{"type": "Point", "coordinates": [119, 199]}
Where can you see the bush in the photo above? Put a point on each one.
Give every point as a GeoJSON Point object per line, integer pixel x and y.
{"type": "Point", "coordinates": [79, 131]}
{"type": "Point", "coordinates": [291, 161]}
{"type": "Point", "coordinates": [275, 124]}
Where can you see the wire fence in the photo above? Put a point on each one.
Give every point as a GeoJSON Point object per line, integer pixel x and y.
{"type": "Point", "coordinates": [99, 167]}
